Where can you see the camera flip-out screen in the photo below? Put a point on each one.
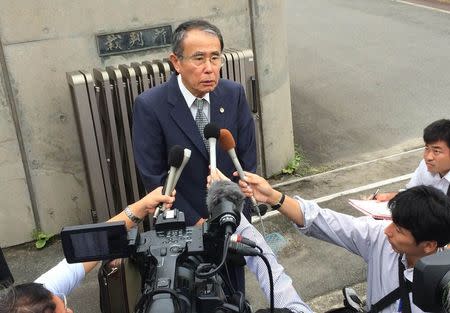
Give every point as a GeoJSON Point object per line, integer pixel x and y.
{"type": "Point", "coordinates": [95, 242]}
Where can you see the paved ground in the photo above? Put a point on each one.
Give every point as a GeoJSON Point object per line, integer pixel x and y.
{"type": "Point", "coordinates": [365, 75]}
{"type": "Point", "coordinates": [318, 269]}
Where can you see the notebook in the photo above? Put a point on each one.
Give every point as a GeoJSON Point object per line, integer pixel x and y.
{"type": "Point", "coordinates": [378, 210]}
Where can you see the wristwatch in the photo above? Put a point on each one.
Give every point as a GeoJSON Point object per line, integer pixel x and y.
{"type": "Point", "coordinates": [131, 216]}
{"type": "Point", "coordinates": [280, 202]}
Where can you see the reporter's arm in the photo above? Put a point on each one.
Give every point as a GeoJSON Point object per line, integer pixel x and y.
{"type": "Point", "coordinates": [285, 295]}
{"type": "Point", "coordinates": [262, 191]}
{"type": "Point", "coordinates": [64, 277]}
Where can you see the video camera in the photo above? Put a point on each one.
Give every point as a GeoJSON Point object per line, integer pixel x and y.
{"type": "Point", "coordinates": [431, 282]}
{"type": "Point", "coordinates": [179, 266]}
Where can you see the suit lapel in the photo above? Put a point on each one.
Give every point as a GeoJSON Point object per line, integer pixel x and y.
{"type": "Point", "coordinates": [182, 116]}
{"type": "Point", "coordinates": [217, 107]}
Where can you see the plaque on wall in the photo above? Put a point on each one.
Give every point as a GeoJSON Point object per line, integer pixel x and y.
{"type": "Point", "coordinates": [134, 40]}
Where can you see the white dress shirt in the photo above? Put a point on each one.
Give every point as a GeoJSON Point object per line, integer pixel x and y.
{"type": "Point", "coordinates": [285, 295]}
{"type": "Point", "coordinates": [422, 176]}
{"type": "Point", "coordinates": [365, 237]}
{"type": "Point", "coordinates": [190, 98]}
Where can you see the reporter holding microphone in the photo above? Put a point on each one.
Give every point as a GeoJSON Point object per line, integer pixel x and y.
{"type": "Point", "coordinates": [48, 293]}
{"type": "Point", "coordinates": [420, 226]}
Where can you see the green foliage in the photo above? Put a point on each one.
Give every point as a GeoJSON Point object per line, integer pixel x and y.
{"type": "Point", "coordinates": [41, 238]}
{"type": "Point", "coordinates": [301, 166]}
{"type": "Point", "coordinates": [293, 164]}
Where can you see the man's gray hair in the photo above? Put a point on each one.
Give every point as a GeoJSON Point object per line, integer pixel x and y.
{"type": "Point", "coordinates": [180, 33]}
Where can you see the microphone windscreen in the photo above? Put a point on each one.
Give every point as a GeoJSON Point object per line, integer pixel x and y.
{"type": "Point", "coordinates": [176, 155]}
{"type": "Point", "coordinates": [224, 190]}
{"type": "Point", "coordinates": [211, 131]}
{"type": "Point", "coordinates": [226, 140]}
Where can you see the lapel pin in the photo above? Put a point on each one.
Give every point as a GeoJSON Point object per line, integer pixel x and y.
{"type": "Point", "coordinates": [221, 110]}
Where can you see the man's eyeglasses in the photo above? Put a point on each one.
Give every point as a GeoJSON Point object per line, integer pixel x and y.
{"type": "Point", "coordinates": [199, 60]}
{"type": "Point", "coordinates": [63, 298]}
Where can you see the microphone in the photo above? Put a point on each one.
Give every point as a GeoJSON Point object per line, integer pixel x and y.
{"type": "Point", "coordinates": [228, 144]}
{"type": "Point", "coordinates": [212, 133]}
{"type": "Point", "coordinates": [175, 160]}
{"type": "Point", "coordinates": [186, 157]}
{"type": "Point", "coordinates": [224, 201]}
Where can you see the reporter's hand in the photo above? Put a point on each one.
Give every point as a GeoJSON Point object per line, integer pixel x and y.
{"type": "Point", "coordinates": [148, 204]}
{"type": "Point", "coordinates": [215, 175]}
{"type": "Point", "coordinates": [255, 185]}
{"type": "Point", "coordinates": [381, 197]}
{"type": "Point", "coordinates": [200, 221]}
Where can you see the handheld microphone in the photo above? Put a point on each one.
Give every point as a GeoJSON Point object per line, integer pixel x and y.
{"type": "Point", "coordinates": [224, 201]}
{"type": "Point", "coordinates": [228, 144]}
{"type": "Point", "coordinates": [212, 133]}
{"type": "Point", "coordinates": [186, 157]}
{"type": "Point", "coordinates": [175, 160]}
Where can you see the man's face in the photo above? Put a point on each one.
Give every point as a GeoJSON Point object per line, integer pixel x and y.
{"type": "Point", "coordinates": [437, 157]}
{"type": "Point", "coordinates": [402, 241]}
{"type": "Point", "coordinates": [199, 79]}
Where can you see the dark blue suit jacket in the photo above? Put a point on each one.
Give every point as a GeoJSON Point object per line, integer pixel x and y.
{"type": "Point", "coordinates": [161, 119]}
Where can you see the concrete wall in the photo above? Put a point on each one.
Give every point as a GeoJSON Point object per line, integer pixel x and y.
{"type": "Point", "coordinates": [16, 215]}
{"type": "Point", "coordinates": [270, 45]}
{"type": "Point", "coordinates": [41, 41]}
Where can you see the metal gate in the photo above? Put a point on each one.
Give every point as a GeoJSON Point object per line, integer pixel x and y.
{"type": "Point", "coordinates": [103, 103]}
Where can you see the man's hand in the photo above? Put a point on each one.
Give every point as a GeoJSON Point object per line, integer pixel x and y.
{"type": "Point", "coordinates": [148, 204]}
{"type": "Point", "coordinates": [380, 197]}
{"type": "Point", "coordinates": [215, 175]}
{"type": "Point", "coordinates": [200, 221]}
{"type": "Point", "coordinates": [255, 185]}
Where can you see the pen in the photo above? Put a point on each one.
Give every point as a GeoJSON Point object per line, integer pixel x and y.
{"type": "Point", "coordinates": [374, 196]}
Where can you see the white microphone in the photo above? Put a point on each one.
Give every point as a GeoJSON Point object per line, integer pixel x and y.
{"type": "Point", "coordinates": [212, 133]}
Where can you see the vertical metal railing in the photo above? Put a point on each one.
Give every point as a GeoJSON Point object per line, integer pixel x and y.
{"type": "Point", "coordinates": [103, 105]}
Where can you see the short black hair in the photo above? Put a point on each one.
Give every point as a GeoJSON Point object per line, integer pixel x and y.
{"type": "Point", "coordinates": [180, 33]}
{"type": "Point", "coordinates": [425, 212]}
{"type": "Point", "coordinates": [438, 130]}
{"type": "Point", "coordinates": [27, 298]}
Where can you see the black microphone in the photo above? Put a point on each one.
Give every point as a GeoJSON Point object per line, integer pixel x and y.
{"type": "Point", "coordinates": [212, 134]}
{"type": "Point", "coordinates": [224, 201]}
{"type": "Point", "coordinates": [175, 159]}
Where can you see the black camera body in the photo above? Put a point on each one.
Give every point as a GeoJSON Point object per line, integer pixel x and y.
{"type": "Point", "coordinates": [167, 258]}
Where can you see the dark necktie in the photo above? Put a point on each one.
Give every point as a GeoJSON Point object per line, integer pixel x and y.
{"type": "Point", "coordinates": [201, 119]}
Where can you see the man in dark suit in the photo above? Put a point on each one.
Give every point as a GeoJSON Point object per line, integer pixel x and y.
{"type": "Point", "coordinates": [165, 116]}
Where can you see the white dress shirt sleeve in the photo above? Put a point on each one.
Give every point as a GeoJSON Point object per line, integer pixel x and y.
{"type": "Point", "coordinates": [285, 295]}
{"type": "Point", "coordinates": [417, 178]}
{"type": "Point", "coordinates": [356, 234]}
{"type": "Point", "coordinates": [62, 278]}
